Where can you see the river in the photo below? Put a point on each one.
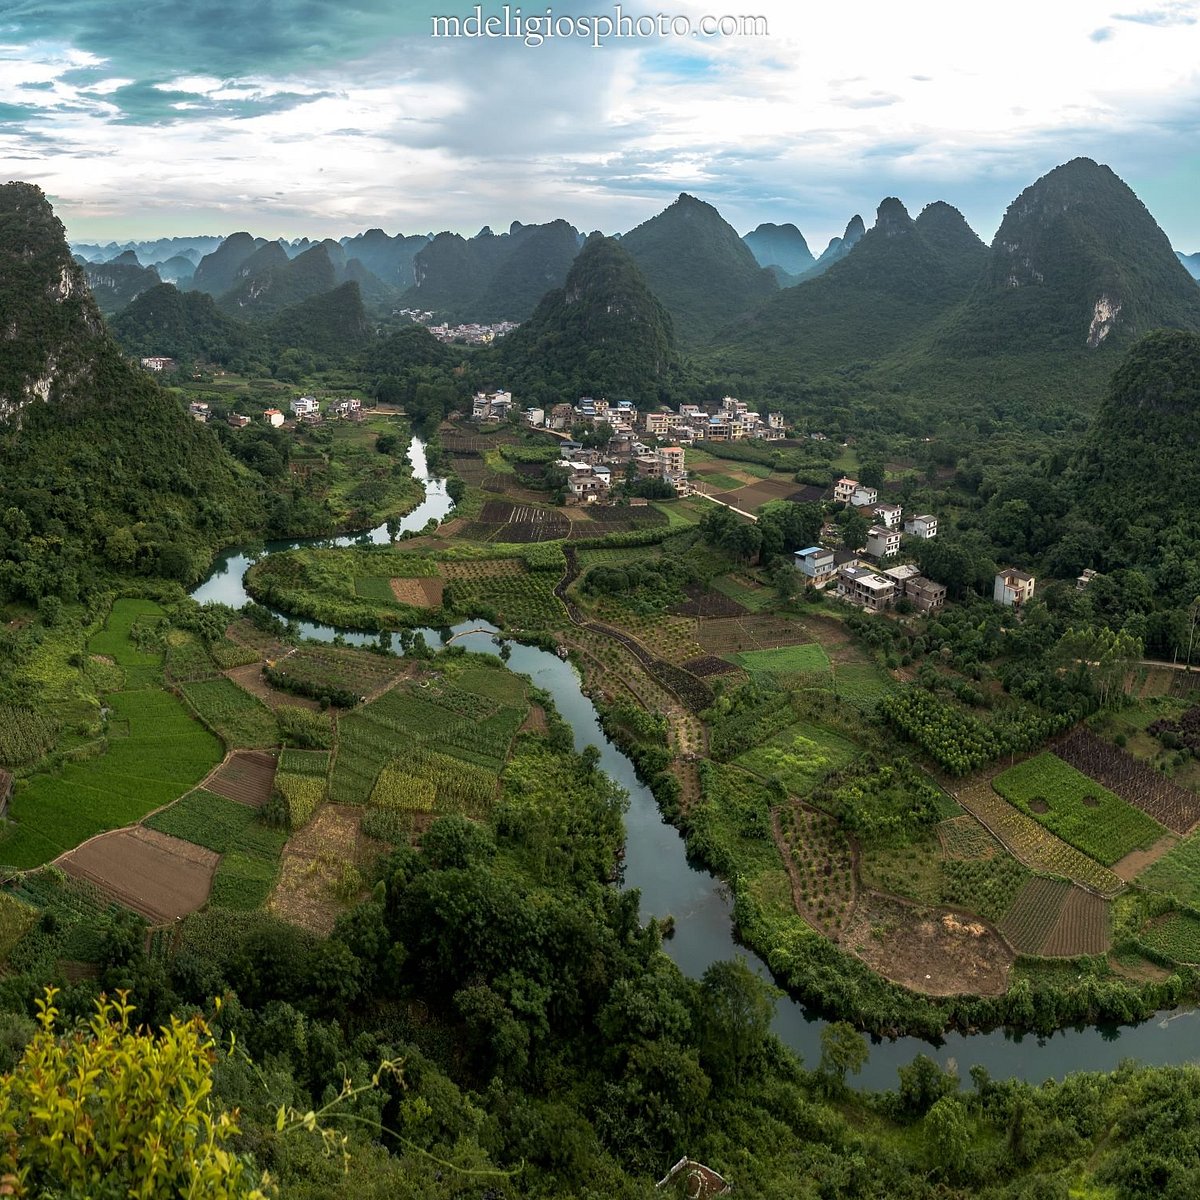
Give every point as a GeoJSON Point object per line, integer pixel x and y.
{"type": "Point", "coordinates": [655, 862]}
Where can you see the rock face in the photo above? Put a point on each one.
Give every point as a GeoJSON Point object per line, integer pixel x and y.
{"type": "Point", "coordinates": [695, 263]}
{"type": "Point", "coordinates": [51, 326]}
{"type": "Point", "coordinates": [1077, 263]}
{"type": "Point", "coordinates": [217, 272]}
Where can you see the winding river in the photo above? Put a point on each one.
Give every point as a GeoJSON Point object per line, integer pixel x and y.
{"type": "Point", "coordinates": [656, 864]}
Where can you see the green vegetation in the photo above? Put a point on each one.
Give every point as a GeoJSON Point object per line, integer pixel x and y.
{"type": "Point", "coordinates": [206, 819]}
{"type": "Point", "coordinates": [1177, 937]}
{"type": "Point", "coordinates": [238, 718]}
{"type": "Point", "coordinates": [1177, 873]}
{"type": "Point", "coordinates": [809, 658]}
{"type": "Point", "coordinates": [1079, 810]}
{"type": "Point", "coordinates": [25, 735]}
{"type": "Point", "coordinates": [799, 756]}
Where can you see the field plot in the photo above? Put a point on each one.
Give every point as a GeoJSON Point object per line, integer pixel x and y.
{"type": "Point", "coordinates": [118, 641]}
{"type": "Point", "coordinates": [161, 877]}
{"type": "Point", "coordinates": [731, 635]}
{"type": "Point", "coordinates": [418, 593]}
{"type": "Point", "coordinates": [1177, 936]}
{"type": "Point", "coordinates": [799, 756]}
{"type": "Point", "coordinates": [861, 684]}
{"type": "Point", "coordinates": [987, 886]}
{"type": "Point", "coordinates": [503, 521]}
{"type": "Point", "coordinates": [1169, 804]}
{"type": "Point", "coordinates": [318, 869]}
{"type": "Point", "coordinates": [245, 777]}
{"type": "Point", "coordinates": [701, 601]}
{"type": "Point", "coordinates": [753, 496]}
{"type": "Point", "coordinates": [524, 600]}
{"type": "Point", "coordinates": [25, 735]}
{"type": "Point", "coordinates": [1035, 913]}
{"type": "Point", "coordinates": [232, 713]}
{"type": "Point", "coordinates": [206, 819]}
{"type": "Point", "coordinates": [333, 669]}
{"type": "Point", "coordinates": [1082, 927]}
{"type": "Point", "coordinates": [250, 679]}
{"type": "Point", "coordinates": [747, 592]}
{"type": "Point", "coordinates": [156, 752]}
{"type": "Point", "coordinates": [938, 953]}
{"type": "Point", "coordinates": [710, 664]}
{"type": "Point", "coordinates": [807, 658]}
{"type": "Point", "coordinates": [1036, 847]}
{"type": "Point", "coordinates": [1068, 803]}
{"type": "Point", "coordinates": [188, 660]}
{"type": "Point", "coordinates": [964, 838]}
{"type": "Point", "coordinates": [484, 568]}
{"type": "Point", "coordinates": [1177, 873]}
{"type": "Point", "coordinates": [820, 865]}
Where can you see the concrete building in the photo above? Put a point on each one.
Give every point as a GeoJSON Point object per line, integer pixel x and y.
{"type": "Point", "coordinates": [817, 565]}
{"type": "Point", "coordinates": [1013, 587]}
{"type": "Point", "coordinates": [922, 526]}
{"type": "Point", "coordinates": [866, 588]}
{"type": "Point", "coordinates": [273, 417]}
{"type": "Point", "coordinates": [882, 542]}
{"type": "Point", "coordinates": [536, 417]}
{"type": "Point", "coordinates": [926, 596]}
{"type": "Point", "coordinates": [888, 515]}
{"type": "Point", "coordinates": [302, 406]}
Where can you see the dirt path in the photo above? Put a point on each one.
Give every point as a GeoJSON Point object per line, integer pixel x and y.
{"type": "Point", "coordinates": [1136, 861]}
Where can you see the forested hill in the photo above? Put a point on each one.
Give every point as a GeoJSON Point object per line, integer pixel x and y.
{"type": "Point", "coordinates": [603, 334]}
{"type": "Point", "coordinates": [1134, 479]}
{"type": "Point", "coordinates": [902, 275]}
{"type": "Point", "coordinates": [99, 468]}
{"type": "Point", "coordinates": [695, 263]}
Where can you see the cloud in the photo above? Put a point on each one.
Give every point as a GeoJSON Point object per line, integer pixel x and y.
{"type": "Point", "coordinates": [1103, 35]}
{"type": "Point", "coordinates": [1180, 13]}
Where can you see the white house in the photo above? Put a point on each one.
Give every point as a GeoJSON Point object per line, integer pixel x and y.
{"type": "Point", "coordinates": [889, 515]}
{"type": "Point", "coordinates": [844, 489]}
{"type": "Point", "coordinates": [882, 542]}
{"type": "Point", "coordinates": [863, 496]}
{"type": "Point", "coordinates": [303, 406]}
{"type": "Point", "coordinates": [273, 417]}
{"type": "Point", "coordinates": [1013, 587]}
{"type": "Point", "coordinates": [535, 417]}
{"type": "Point", "coordinates": [922, 526]}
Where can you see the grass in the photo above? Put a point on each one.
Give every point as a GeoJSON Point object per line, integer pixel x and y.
{"type": "Point", "coordinates": [238, 718]}
{"type": "Point", "coordinates": [1077, 809]}
{"type": "Point", "coordinates": [807, 658]}
{"type": "Point", "coordinates": [212, 821]}
{"type": "Point", "coordinates": [799, 756]}
{"type": "Point", "coordinates": [1177, 873]}
{"type": "Point", "coordinates": [373, 587]}
{"type": "Point", "coordinates": [1176, 936]}
{"type": "Point", "coordinates": [862, 684]}
{"type": "Point", "coordinates": [156, 752]}
{"type": "Point", "coordinates": [677, 516]}
{"type": "Point", "coordinates": [754, 598]}
{"type": "Point", "coordinates": [244, 881]}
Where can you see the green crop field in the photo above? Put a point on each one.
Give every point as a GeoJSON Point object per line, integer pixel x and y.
{"type": "Point", "coordinates": [862, 684]}
{"type": "Point", "coordinates": [799, 756]}
{"type": "Point", "coordinates": [1177, 873]}
{"type": "Point", "coordinates": [786, 660]}
{"type": "Point", "coordinates": [244, 881]}
{"type": "Point", "coordinates": [208, 820]}
{"type": "Point", "coordinates": [156, 752]}
{"type": "Point", "coordinates": [1076, 808]}
{"type": "Point", "coordinates": [239, 719]}
{"type": "Point", "coordinates": [1177, 936]}
{"type": "Point", "coordinates": [374, 587]}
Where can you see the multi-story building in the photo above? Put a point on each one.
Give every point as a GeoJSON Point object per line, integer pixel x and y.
{"type": "Point", "coordinates": [273, 417]}
{"type": "Point", "coordinates": [535, 417]}
{"type": "Point", "coordinates": [1013, 587]}
{"type": "Point", "coordinates": [864, 587]}
{"type": "Point", "coordinates": [925, 595]}
{"type": "Point", "coordinates": [921, 526]}
{"type": "Point", "coordinates": [863, 496]}
{"type": "Point", "coordinates": [882, 542]}
{"type": "Point", "coordinates": [303, 405]}
{"type": "Point", "coordinates": [816, 564]}
{"type": "Point", "coordinates": [844, 489]}
{"type": "Point", "coordinates": [889, 515]}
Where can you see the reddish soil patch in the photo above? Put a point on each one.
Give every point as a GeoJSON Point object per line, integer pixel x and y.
{"type": "Point", "coordinates": [419, 593]}
{"type": "Point", "coordinates": [1136, 861]}
{"type": "Point", "coordinates": [536, 721]}
{"type": "Point", "coordinates": [250, 679]}
{"type": "Point", "coordinates": [246, 776]}
{"type": "Point", "coordinates": [1082, 927]}
{"type": "Point", "coordinates": [161, 877]}
{"type": "Point", "coordinates": [928, 950]}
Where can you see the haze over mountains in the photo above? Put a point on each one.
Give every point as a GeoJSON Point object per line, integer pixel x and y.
{"type": "Point", "coordinates": [915, 308]}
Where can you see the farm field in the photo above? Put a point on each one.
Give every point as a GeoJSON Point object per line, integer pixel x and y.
{"type": "Point", "coordinates": [820, 865]}
{"type": "Point", "coordinates": [161, 877]}
{"type": "Point", "coordinates": [1036, 847]}
{"type": "Point", "coordinates": [155, 753]}
{"type": "Point", "coordinates": [1034, 913]}
{"type": "Point", "coordinates": [236, 717]}
{"type": "Point", "coordinates": [1082, 927]}
{"type": "Point", "coordinates": [318, 871]}
{"type": "Point", "coordinates": [1177, 873]}
{"type": "Point", "coordinates": [1177, 936]}
{"type": "Point", "coordinates": [245, 777]}
{"type": "Point", "coordinates": [1167, 803]}
{"type": "Point", "coordinates": [799, 756]}
{"type": "Point", "coordinates": [222, 825]}
{"type": "Point", "coordinates": [807, 658]}
{"type": "Point", "coordinates": [320, 669]}
{"type": "Point", "coordinates": [1077, 809]}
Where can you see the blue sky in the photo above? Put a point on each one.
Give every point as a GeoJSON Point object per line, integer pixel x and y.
{"type": "Point", "coordinates": [294, 117]}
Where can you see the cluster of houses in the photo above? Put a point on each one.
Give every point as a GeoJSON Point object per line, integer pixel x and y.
{"type": "Point", "coordinates": [858, 583]}
{"type": "Point", "coordinates": [472, 334]}
{"type": "Point", "coordinates": [733, 421]}
{"type": "Point", "coordinates": [305, 410]}
{"type": "Point", "coordinates": [590, 472]}
{"type": "Point", "coordinates": [158, 363]}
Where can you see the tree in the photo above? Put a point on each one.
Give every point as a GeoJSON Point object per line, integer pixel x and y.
{"type": "Point", "coordinates": [111, 1113]}
{"type": "Point", "coordinates": [948, 1135]}
{"type": "Point", "coordinates": [854, 528]}
{"type": "Point", "coordinates": [736, 1019]}
{"type": "Point", "coordinates": [842, 1050]}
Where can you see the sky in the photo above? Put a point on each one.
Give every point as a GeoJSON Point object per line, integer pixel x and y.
{"type": "Point", "coordinates": [312, 118]}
